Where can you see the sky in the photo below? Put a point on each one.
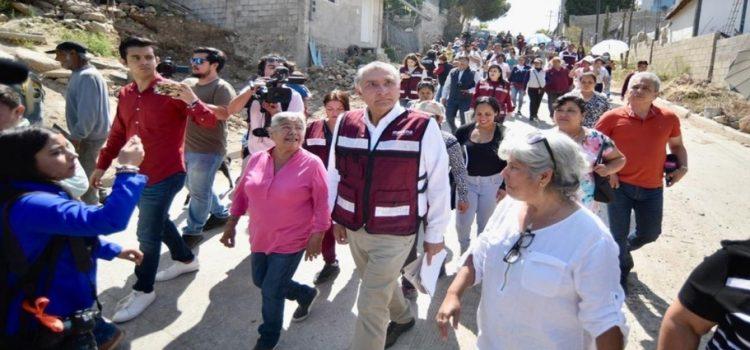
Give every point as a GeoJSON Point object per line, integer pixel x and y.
{"type": "Point", "coordinates": [527, 16]}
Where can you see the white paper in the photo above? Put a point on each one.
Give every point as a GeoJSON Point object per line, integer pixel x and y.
{"type": "Point", "coordinates": [429, 273]}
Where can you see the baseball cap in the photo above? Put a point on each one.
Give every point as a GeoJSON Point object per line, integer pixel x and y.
{"type": "Point", "coordinates": [69, 45]}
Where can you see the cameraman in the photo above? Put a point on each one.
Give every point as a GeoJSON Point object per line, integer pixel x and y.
{"type": "Point", "coordinates": [257, 111]}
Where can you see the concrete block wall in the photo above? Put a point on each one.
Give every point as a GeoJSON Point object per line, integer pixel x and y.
{"type": "Point", "coordinates": [431, 31]}
{"type": "Point", "coordinates": [726, 52]}
{"type": "Point", "coordinates": [640, 51]}
{"type": "Point", "coordinates": [642, 21]}
{"type": "Point", "coordinates": [262, 26]}
{"type": "Point", "coordinates": [695, 55]}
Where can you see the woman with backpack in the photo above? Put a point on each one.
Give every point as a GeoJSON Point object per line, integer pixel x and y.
{"type": "Point", "coordinates": [50, 242]}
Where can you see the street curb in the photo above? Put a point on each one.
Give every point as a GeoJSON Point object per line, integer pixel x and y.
{"type": "Point", "coordinates": [705, 123]}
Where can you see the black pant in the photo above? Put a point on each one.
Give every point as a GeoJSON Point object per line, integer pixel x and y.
{"type": "Point", "coordinates": [551, 98]}
{"type": "Point", "coordinates": [599, 87]}
{"type": "Point", "coordinates": [535, 95]}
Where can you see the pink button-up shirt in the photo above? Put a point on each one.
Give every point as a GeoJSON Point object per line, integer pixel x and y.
{"type": "Point", "coordinates": [285, 207]}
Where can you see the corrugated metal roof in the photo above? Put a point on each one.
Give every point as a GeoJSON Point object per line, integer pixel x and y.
{"type": "Point", "coordinates": [677, 8]}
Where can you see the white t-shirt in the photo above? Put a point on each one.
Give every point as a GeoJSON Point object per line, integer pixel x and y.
{"type": "Point", "coordinates": [562, 293]}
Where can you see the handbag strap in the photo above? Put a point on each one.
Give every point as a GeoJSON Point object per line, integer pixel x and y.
{"type": "Point", "coordinates": [601, 152]}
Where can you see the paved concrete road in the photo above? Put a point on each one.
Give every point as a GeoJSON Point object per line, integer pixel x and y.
{"type": "Point", "coordinates": [219, 308]}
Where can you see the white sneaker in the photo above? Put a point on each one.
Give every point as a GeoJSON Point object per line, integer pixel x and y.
{"type": "Point", "coordinates": [133, 305]}
{"type": "Point", "coordinates": [177, 268]}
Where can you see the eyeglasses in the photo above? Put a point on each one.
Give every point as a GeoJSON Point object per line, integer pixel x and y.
{"type": "Point", "coordinates": [536, 138]}
{"type": "Point", "coordinates": [523, 242]}
{"type": "Point", "coordinates": [197, 61]}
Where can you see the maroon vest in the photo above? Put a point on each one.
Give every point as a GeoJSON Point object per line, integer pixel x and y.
{"type": "Point", "coordinates": [315, 140]}
{"type": "Point", "coordinates": [409, 86]}
{"type": "Point", "coordinates": [378, 188]}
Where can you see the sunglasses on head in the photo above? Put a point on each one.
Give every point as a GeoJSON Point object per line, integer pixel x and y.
{"type": "Point", "coordinates": [536, 138]}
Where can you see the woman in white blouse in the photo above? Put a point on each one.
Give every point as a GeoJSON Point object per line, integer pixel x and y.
{"type": "Point", "coordinates": [548, 266]}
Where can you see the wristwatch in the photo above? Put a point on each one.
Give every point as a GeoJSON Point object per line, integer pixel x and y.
{"type": "Point", "coordinates": [127, 169]}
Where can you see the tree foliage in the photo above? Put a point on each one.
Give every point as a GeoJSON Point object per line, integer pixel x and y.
{"type": "Point", "coordinates": [397, 7]}
{"type": "Point", "coordinates": [483, 10]}
{"type": "Point", "coordinates": [588, 7]}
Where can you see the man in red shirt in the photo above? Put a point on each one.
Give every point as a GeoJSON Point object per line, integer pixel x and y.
{"type": "Point", "coordinates": [641, 131]}
{"type": "Point", "coordinates": [557, 83]}
{"type": "Point", "coordinates": [160, 120]}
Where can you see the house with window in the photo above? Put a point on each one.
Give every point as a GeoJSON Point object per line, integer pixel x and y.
{"type": "Point", "coordinates": [691, 18]}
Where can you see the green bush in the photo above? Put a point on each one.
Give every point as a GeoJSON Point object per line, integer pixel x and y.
{"type": "Point", "coordinates": [391, 53]}
{"type": "Point", "coordinates": [97, 43]}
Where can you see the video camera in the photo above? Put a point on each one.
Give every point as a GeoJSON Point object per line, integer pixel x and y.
{"type": "Point", "coordinates": [274, 91]}
{"type": "Point", "coordinates": [167, 68]}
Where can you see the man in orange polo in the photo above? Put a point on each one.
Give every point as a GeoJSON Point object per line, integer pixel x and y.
{"type": "Point", "coordinates": [641, 131]}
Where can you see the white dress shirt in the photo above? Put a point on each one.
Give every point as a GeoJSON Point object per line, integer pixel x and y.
{"type": "Point", "coordinates": [449, 81]}
{"type": "Point", "coordinates": [563, 291]}
{"type": "Point", "coordinates": [433, 161]}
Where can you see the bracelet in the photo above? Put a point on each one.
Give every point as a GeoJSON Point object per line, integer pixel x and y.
{"type": "Point", "coordinates": [127, 169]}
{"type": "Point", "coordinates": [195, 103]}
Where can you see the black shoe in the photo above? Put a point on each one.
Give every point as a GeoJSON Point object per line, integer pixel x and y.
{"type": "Point", "coordinates": [303, 310]}
{"type": "Point", "coordinates": [192, 240]}
{"type": "Point", "coordinates": [214, 222]}
{"type": "Point", "coordinates": [260, 347]}
{"type": "Point", "coordinates": [395, 330]}
{"type": "Point", "coordinates": [328, 273]}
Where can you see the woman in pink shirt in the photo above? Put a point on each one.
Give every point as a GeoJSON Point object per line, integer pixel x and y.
{"type": "Point", "coordinates": [284, 190]}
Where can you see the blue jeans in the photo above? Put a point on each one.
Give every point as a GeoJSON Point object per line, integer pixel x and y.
{"type": "Point", "coordinates": [272, 273]}
{"type": "Point", "coordinates": [482, 197]}
{"type": "Point", "coordinates": [516, 96]}
{"type": "Point", "coordinates": [454, 106]}
{"type": "Point", "coordinates": [155, 227]}
{"type": "Point", "coordinates": [647, 204]}
{"type": "Point", "coordinates": [201, 172]}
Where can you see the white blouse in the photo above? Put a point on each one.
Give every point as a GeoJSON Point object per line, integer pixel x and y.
{"type": "Point", "coordinates": [563, 291]}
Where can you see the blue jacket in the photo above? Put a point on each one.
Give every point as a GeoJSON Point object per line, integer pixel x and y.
{"type": "Point", "coordinates": [49, 211]}
{"type": "Point", "coordinates": [520, 76]}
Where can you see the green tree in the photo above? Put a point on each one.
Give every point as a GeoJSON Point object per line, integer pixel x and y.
{"type": "Point", "coordinates": [482, 10]}
{"type": "Point", "coordinates": [588, 7]}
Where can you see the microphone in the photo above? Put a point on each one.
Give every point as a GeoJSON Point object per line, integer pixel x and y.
{"type": "Point", "coordinates": [12, 72]}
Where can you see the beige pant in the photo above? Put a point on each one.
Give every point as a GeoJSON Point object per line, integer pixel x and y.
{"type": "Point", "coordinates": [379, 259]}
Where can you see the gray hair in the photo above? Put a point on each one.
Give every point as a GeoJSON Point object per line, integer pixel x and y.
{"type": "Point", "coordinates": [649, 76]}
{"type": "Point", "coordinates": [570, 162]}
{"type": "Point", "coordinates": [376, 65]}
{"type": "Point", "coordinates": [288, 117]}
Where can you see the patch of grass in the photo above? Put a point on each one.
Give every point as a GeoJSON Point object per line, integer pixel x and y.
{"type": "Point", "coordinates": [5, 6]}
{"type": "Point", "coordinates": [97, 43]}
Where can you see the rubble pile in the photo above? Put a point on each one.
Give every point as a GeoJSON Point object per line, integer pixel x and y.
{"type": "Point", "coordinates": [337, 75]}
{"type": "Point", "coordinates": [710, 101]}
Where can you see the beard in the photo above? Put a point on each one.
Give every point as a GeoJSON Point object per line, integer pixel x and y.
{"type": "Point", "coordinates": [199, 75]}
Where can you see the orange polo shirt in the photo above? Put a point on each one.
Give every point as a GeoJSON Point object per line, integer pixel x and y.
{"type": "Point", "coordinates": [642, 141]}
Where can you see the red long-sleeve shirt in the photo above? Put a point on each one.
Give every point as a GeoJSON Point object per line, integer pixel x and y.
{"type": "Point", "coordinates": [160, 122]}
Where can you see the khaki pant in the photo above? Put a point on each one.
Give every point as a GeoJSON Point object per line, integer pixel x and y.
{"type": "Point", "coordinates": [379, 259]}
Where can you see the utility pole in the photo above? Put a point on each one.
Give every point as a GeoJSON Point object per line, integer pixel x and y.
{"type": "Point", "coordinates": [598, 9]}
{"type": "Point", "coordinates": [742, 20]}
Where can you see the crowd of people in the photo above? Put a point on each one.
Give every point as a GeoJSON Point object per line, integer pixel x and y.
{"type": "Point", "coordinates": [553, 208]}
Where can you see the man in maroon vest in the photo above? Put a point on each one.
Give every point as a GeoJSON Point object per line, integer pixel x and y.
{"type": "Point", "coordinates": [387, 166]}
